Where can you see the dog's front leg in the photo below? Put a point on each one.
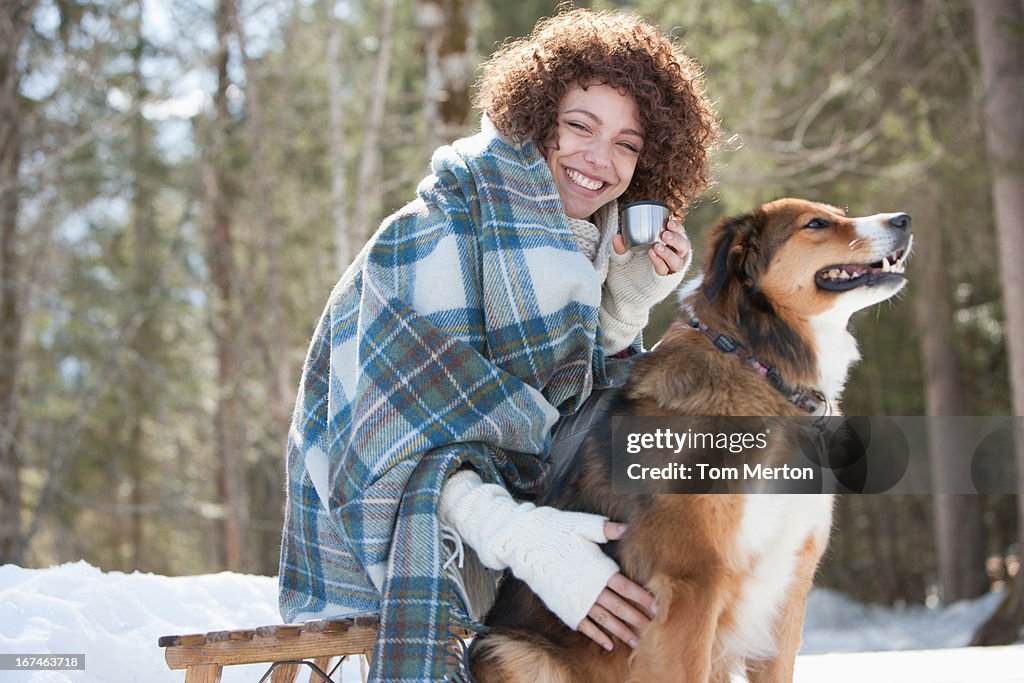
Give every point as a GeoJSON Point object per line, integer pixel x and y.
{"type": "Point", "coordinates": [789, 628]}
{"type": "Point", "coordinates": [678, 644]}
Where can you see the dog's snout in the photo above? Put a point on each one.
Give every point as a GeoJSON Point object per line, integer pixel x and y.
{"type": "Point", "coordinates": [900, 221]}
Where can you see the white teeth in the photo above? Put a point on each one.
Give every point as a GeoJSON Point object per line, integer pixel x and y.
{"type": "Point", "coordinates": [583, 180]}
{"type": "Point", "coordinates": [890, 264]}
{"type": "Point", "coordinates": [894, 266]}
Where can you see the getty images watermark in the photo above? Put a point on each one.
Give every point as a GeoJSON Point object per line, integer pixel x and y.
{"type": "Point", "coordinates": [851, 454]}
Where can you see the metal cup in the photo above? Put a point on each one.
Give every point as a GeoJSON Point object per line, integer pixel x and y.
{"type": "Point", "coordinates": [641, 223]}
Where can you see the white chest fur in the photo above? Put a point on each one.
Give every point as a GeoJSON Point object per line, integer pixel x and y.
{"type": "Point", "coordinates": [773, 530]}
{"type": "Point", "coordinates": [836, 351]}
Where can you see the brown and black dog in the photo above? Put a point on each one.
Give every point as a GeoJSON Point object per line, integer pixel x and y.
{"type": "Point", "coordinates": [730, 572]}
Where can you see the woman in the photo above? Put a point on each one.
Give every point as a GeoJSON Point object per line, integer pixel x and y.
{"type": "Point", "coordinates": [476, 318]}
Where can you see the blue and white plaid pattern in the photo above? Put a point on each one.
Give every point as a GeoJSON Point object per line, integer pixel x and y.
{"type": "Point", "coordinates": [461, 331]}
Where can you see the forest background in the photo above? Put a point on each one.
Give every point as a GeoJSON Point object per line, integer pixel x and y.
{"type": "Point", "coordinates": [182, 183]}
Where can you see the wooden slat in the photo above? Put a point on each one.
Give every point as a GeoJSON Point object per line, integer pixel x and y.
{"type": "Point", "coordinates": [272, 631]}
{"type": "Point", "coordinates": [355, 640]}
{"type": "Point", "coordinates": [279, 631]}
{"type": "Point", "coordinates": [326, 626]}
{"type": "Point", "coordinates": [366, 620]}
{"type": "Point", "coordinates": [192, 639]}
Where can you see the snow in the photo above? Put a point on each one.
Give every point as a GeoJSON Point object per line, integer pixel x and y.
{"type": "Point", "coordinates": [115, 619]}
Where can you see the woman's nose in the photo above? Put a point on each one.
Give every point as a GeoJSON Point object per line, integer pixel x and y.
{"type": "Point", "coordinates": [598, 153]}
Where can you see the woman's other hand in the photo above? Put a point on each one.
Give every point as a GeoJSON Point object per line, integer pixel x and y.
{"type": "Point", "coordinates": [623, 609]}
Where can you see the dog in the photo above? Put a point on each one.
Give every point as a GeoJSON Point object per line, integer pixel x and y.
{"type": "Point", "coordinates": [763, 333]}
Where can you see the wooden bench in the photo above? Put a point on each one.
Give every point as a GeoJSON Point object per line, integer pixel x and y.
{"type": "Point", "coordinates": [287, 648]}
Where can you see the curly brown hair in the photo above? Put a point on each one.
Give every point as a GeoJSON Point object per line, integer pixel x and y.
{"type": "Point", "coordinates": [522, 84]}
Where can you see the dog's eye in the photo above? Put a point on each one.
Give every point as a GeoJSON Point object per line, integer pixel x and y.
{"type": "Point", "coordinates": [817, 224]}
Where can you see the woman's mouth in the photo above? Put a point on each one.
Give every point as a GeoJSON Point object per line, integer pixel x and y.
{"type": "Point", "coordinates": [583, 181]}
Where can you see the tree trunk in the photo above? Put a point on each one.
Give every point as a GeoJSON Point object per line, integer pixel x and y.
{"type": "Point", "coordinates": [144, 271]}
{"type": "Point", "coordinates": [14, 23]}
{"type": "Point", "coordinates": [999, 26]}
{"type": "Point", "coordinates": [273, 336]}
{"type": "Point", "coordinates": [225, 310]}
{"type": "Point", "coordinates": [449, 48]}
{"type": "Point", "coordinates": [369, 159]}
{"type": "Point", "coordinates": [958, 530]}
{"type": "Point", "coordinates": [343, 250]}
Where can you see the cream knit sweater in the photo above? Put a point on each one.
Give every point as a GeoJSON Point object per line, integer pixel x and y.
{"type": "Point", "coordinates": [631, 285]}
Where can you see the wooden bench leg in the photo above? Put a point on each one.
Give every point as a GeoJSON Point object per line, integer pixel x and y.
{"type": "Point", "coordinates": [285, 673]}
{"type": "Point", "coordinates": [203, 673]}
{"type": "Point", "coordinates": [325, 665]}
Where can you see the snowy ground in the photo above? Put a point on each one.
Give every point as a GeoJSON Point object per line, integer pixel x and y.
{"type": "Point", "coordinates": [115, 619]}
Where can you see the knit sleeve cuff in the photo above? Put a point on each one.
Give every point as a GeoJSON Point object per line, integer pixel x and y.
{"type": "Point", "coordinates": [631, 289]}
{"type": "Point", "coordinates": [617, 335]}
{"type": "Point", "coordinates": [633, 283]}
{"type": "Point", "coordinates": [455, 490]}
{"type": "Point", "coordinates": [477, 511]}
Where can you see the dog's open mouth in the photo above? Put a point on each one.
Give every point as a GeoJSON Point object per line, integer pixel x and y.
{"type": "Point", "coordinates": [840, 278]}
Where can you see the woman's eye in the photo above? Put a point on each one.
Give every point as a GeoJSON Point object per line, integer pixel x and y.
{"type": "Point", "coordinates": [631, 147]}
{"type": "Point", "coordinates": [577, 125]}
{"type": "Point", "coordinates": [817, 224]}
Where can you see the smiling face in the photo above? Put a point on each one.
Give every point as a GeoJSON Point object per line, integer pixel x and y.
{"type": "Point", "coordinates": [595, 149]}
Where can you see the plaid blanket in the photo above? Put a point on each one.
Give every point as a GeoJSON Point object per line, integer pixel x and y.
{"type": "Point", "coordinates": [463, 329]}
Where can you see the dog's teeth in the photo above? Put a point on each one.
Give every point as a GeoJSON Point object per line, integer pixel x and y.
{"type": "Point", "coordinates": [892, 264]}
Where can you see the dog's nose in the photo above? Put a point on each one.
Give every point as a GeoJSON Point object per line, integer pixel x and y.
{"type": "Point", "coordinates": [900, 221]}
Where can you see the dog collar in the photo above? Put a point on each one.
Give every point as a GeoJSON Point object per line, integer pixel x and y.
{"type": "Point", "coordinates": [805, 398]}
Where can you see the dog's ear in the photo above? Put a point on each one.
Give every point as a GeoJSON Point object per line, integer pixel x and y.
{"type": "Point", "coordinates": [734, 239]}
{"type": "Point", "coordinates": [716, 272]}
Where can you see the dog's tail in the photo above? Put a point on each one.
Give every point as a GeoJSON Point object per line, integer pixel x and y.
{"type": "Point", "coordinates": [517, 656]}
